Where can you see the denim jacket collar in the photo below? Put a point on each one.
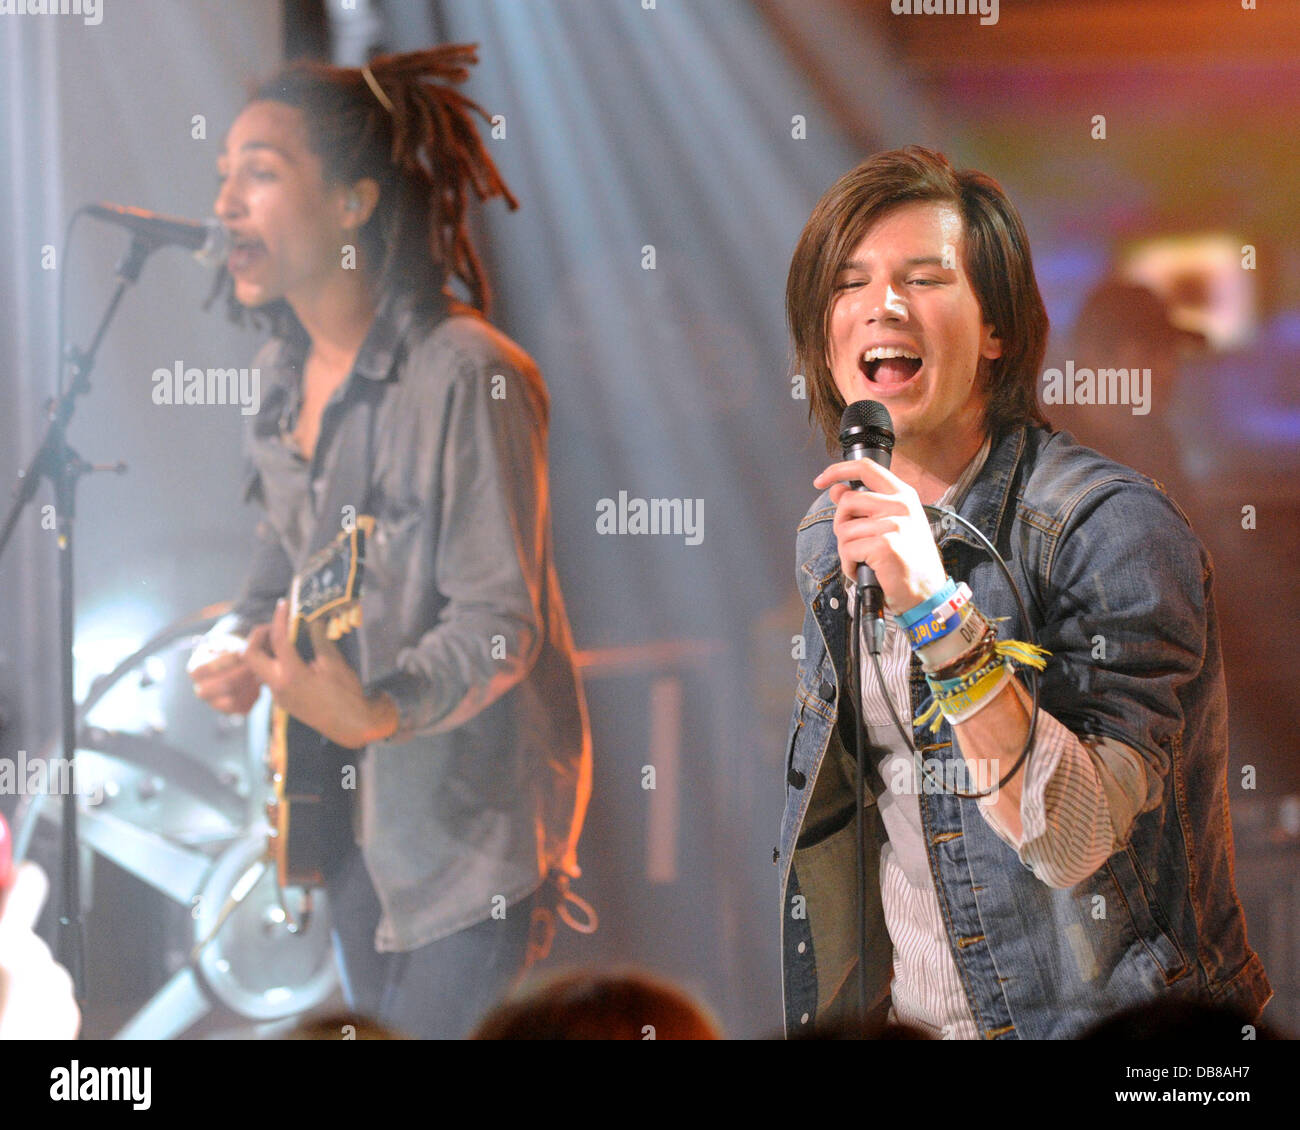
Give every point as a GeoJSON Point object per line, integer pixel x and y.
{"type": "Point", "coordinates": [988, 502]}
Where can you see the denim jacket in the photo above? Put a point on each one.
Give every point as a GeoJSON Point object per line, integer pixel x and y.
{"type": "Point", "coordinates": [482, 790]}
{"type": "Point", "coordinates": [1118, 589]}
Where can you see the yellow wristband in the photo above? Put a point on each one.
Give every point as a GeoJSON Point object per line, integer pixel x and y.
{"type": "Point", "coordinates": [966, 704]}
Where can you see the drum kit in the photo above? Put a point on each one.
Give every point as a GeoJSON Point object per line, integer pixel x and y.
{"type": "Point", "coordinates": [173, 795]}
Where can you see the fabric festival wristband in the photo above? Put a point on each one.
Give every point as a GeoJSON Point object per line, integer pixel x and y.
{"type": "Point", "coordinates": [912, 615]}
{"type": "Point", "coordinates": [944, 619]}
{"type": "Point", "coordinates": [958, 712]}
{"type": "Point", "coordinates": [957, 694]}
{"type": "Point", "coordinates": [959, 703]}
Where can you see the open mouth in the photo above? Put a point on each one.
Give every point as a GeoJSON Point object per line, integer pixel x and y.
{"type": "Point", "coordinates": [889, 367]}
{"type": "Point", "coordinates": [245, 251]}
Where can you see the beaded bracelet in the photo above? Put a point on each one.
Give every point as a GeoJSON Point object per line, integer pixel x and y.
{"type": "Point", "coordinates": [973, 688]}
{"type": "Point", "coordinates": [942, 688]}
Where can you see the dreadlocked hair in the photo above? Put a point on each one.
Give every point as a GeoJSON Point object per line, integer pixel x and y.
{"type": "Point", "coordinates": [426, 155]}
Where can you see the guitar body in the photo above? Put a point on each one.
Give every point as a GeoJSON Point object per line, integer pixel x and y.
{"type": "Point", "coordinates": [309, 811]}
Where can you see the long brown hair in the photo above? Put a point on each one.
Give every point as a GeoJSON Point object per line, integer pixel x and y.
{"type": "Point", "coordinates": [426, 154]}
{"type": "Point", "coordinates": [997, 258]}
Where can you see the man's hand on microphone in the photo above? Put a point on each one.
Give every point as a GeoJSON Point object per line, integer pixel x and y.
{"type": "Point", "coordinates": [886, 528]}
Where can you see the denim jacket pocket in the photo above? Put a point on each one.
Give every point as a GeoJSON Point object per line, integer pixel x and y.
{"type": "Point", "coordinates": [809, 710]}
{"type": "Point", "coordinates": [1146, 916]}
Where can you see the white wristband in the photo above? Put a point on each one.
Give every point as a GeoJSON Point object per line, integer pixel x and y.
{"type": "Point", "coordinates": [956, 643]}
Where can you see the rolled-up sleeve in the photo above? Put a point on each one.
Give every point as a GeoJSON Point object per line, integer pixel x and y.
{"type": "Point", "coordinates": [1079, 800]}
{"type": "Point", "coordinates": [490, 566]}
{"type": "Point", "coordinates": [1127, 627]}
{"type": "Point", "coordinates": [1129, 605]}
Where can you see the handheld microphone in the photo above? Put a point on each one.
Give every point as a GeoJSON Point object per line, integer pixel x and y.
{"type": "Point", "coordinates": [209, 239]}
{"type": "Point", "coordinates": [867, 432]}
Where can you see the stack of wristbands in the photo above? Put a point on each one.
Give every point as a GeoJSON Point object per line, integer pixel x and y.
{"type": "Point", "coordinates": [964, 662]}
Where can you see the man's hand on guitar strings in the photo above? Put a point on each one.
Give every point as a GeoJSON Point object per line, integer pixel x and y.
{"type": "Point", "coordinates": [227, 683]}
{"type": "Point", "coordinates": [325, 694]}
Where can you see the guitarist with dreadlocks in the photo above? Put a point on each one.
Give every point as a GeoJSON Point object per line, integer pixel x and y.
{"type": "Point", "coordinates": [345, 194]}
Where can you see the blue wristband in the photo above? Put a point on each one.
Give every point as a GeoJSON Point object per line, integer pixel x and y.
{"type": "Point", "coordinates": [912, 615]}
{"type": "Point", "coordinates": [931, 629]}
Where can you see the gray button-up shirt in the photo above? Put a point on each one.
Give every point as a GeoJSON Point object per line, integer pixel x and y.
{"type": "Point", "coordinates": [483, 788]}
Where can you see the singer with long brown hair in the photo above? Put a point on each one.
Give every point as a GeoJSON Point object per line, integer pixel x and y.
{"type": "Point", "coordinates": [1005, 898]}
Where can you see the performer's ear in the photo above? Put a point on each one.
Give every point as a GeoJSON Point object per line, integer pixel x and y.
{"type": "Point", "coordinates": [359, 201]}
{"type": "Point", "coordinates": [990, 343]}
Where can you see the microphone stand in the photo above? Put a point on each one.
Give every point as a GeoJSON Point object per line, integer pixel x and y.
{"type": "Point", "coordinates": [865, 433]}
{"type": "Point", "coordinates": [861, 592]}
{"type": "Point", "coordinates": [57, 461]}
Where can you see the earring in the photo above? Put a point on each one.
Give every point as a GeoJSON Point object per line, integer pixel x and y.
{"type": "Point", "coordinates": [354, 202]}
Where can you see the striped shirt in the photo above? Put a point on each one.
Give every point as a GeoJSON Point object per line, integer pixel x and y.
{"type": "Point", "coordinates": [1079, 799]}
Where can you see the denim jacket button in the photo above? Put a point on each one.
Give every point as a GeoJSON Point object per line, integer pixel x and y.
{"type": "Point", "coordinates": [797, 779]}
{"type": "Point", "coordinates": [827, 691]}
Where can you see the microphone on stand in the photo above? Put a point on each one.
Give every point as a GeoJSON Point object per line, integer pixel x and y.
{"type": "Point", "coordinates": [208, 239]}
{"type": "Point", "coordinates": [867, 432]}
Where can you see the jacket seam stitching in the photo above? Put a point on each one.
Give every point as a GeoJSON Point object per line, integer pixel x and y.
{"type": "Point", "coordinates": [816, 705]}
{"type": "Point", "coordinates": [1067, 514]}
{"type": "Point", "coordinates": [822, 515]}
